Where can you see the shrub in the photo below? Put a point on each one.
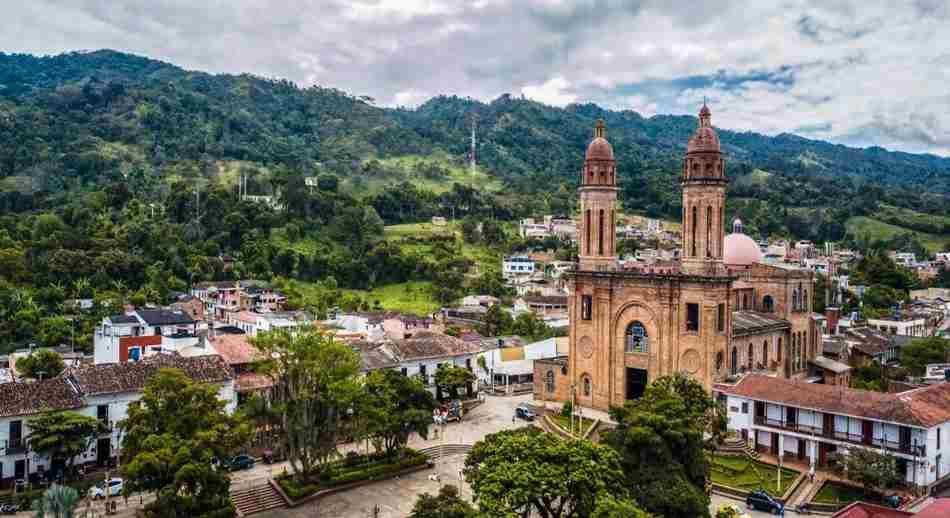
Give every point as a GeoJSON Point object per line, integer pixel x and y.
{"type": "Point", "coordinates": [568, 409]}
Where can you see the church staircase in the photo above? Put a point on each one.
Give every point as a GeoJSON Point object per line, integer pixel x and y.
{"type": "Point", "coordinates": [736, 445]}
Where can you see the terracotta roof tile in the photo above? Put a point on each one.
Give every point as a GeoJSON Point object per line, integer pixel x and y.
{"type": "Point", "coordinates": [430, 344]}
{"type": "Point", "coordinates": [250, 381]}
{"type": "Point", "coordinates": [24, 398]}
{"type": "Point", "coordinates": [939, 508]}
{"type": "Point", "coordinates": [864, 510]}
{"type": "Point", "coordinates": [114, 378]}
{"type": "Point", "coordinates": [235, 349]}
{"type": "Point", "coordinates": [924, 407]}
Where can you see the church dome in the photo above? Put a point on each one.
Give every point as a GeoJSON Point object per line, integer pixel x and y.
{"type": "Point", "coordinates": [740, 249]}
{"type": "Point", "coordinates": [705, 139]}
{"type": "Point", "coordinates": [599, 148]}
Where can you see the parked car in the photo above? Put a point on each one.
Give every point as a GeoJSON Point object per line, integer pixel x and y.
{"type": "Point", "coordinates": [524, 411]}
{"type": "Point", "coordinates": [9, 509]}
{"type": "Point", "coordinates": [241, 462]}
{"type": "Point", "coordinates": [99, 490]}
{"type": "Point", "coordinates": [762, 501]}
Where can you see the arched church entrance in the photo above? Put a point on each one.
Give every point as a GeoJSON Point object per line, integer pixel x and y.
{"type": "Point", "coordinates": [636, 382]}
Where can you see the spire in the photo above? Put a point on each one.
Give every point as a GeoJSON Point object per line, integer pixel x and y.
{"type": "Point", "coordinates": [600, 130]}
{"type": "Point", "coordinates": [705, 115]}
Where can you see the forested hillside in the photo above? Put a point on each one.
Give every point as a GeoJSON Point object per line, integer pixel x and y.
{"type": "Point", "coordinates": [120, 174]}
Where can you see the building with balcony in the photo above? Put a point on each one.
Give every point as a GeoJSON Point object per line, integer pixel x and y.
{"type": "Point", "coordinates": [133, 336]}
{"type": "Point", "coordinates": [810, 422]}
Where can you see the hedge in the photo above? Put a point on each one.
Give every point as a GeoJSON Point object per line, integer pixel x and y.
{"type": "Point", "coordinates": [350, 469]}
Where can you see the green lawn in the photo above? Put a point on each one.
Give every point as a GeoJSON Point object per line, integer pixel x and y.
{"type": "Point", "coordinates": [565, 422]}
{"type": "Point", "coordinates": [837, 493]}
{"type": "Point", "coordinates": [741, 472]}
{"type": "Point", "coordinates": [402, 169]}
{"type": "Point", "coordinates": [875, 229]}
{"type": "Point", "coordinates": [409, 297]}
{"type": "Point", "coordinates": [419, 230]}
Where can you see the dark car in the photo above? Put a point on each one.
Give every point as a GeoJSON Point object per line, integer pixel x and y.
{"type": "Point", "coordinates": [762, 501]}
{"type": "Point", "coordinates": [524, 412]}
{"type": "Point", "coordinates": [241, 462]}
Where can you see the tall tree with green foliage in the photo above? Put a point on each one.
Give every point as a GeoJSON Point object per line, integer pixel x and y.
{"type": "Point", "coordinates": [63, 435]}
{"type": "Point", "coordinates": [393, 406]}
{"type": "Point", "coordinates": [446, 504]}
{"type": "Point", "coordinates": [497, 321]}
{"type": "Point", "coordinates": [43, 363]}
{"type": "Point", "coordinates": [526, 471]}
{"type": "Point", "coordinates": [660, 440]}
{"type": "Point", "coordinates": [918, 353]}
{"type": "Point", "coordinates": [315, 386]}
{"type": "Point", "coordinates": [453, 378]}
{"type": "Point", "coordinates": [173, 439]}
{"type": "Point", "coordinates": [873, 469]}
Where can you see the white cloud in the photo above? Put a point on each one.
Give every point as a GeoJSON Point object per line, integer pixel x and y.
{"type": "Point", "coordinates": [554, 91]}
{"type": "Point", "coordinates": [856, 71]}
{"type": "Point", "coordinates": [411, 98]}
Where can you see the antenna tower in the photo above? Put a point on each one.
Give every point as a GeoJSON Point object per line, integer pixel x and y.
{"type": "Point", "coordinates": [471, 153]}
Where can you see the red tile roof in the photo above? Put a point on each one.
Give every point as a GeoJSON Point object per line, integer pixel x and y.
{"type": "Point", "coordinates": [115, 378]}
{"type": "Point", "coordinates": [23, 398]}
{"type": "Point", "coordinates": [250, 381]}
{"type": "Point", "coordinates": [235, 349]}
{"type": "Point", "coordinates": [924, 407]}
{"type": "Point", "coordinates": [939, 508]}
{"type": "Point", "coordinates": [863, 510]}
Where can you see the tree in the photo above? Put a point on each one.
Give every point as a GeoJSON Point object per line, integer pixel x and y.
{"type": "Point", "coordinates": [870, 468]}
{"type": "Point", "coordinates": [54, 331]}
{"type": "Point", "coordinates": [173, 438]}
{"type": "Point", "coordinates": [393, 406]}
{"type": "Point", "coordinates": [57, 502]}
{"type": "Point", "coordinates": [61, 436]}
{"type": "Point", "coordinates": [611, 507]}
{"type": "Point", "coordinates": [662, 448]}
{"type": "Point", "coordinates": [452, 378]}
{"type": "Point", "coordinates": [42, 363]}
{"type": "Point", "coordinates": [470, 231]}
{"type": "Point", "coordinates": [315, 386]}
{"type": "Point", "coordinates": [493, 233]}
{"type": "Point", "coordinates": [917, 354]}
{"type": "Point", "coordinates": [526, 471]}
{"type": "Point", "coordinates": [530, 326]}
{"type": "Point", "coordinates": [328, 182]}
{"type": "Point", "coordinates": [447, 504]}
{"type": "Point", "coordinates": [880, 296]}
{"type": "Point", "coordinates": [497, 321]}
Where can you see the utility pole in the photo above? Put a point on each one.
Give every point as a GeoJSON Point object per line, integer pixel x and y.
{"type": "Point", "coordinates": [471, 154]}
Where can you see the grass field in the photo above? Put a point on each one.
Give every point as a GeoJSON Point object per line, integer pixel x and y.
{"type": "Point", "coordinates": [400, 169]}
{"type": "Point", "coordinates": [408, 297]}
{"type": "Point", "coordinates": [875, 229]}
{"type": "Point", "coordinates": [741, 472]}
{"type": "Point", "coordinates": [565, 422]}
{"type": "Point", "coordinates": [836, 493]}
{"type": "Point", "coordinates": [485, 257]}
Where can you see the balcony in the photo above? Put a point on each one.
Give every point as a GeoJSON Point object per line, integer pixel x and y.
{"type": "Point", "coordinates": [849, 437]}
{"type": "Point", "coordinates": [899, 447]}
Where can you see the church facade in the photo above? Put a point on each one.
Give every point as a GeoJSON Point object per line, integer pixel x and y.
{"type": "Point", "coordinates": [716, 312]}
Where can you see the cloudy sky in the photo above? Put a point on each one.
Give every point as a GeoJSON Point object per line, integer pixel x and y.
{"type": "Point", "coordinates": [859, 72]}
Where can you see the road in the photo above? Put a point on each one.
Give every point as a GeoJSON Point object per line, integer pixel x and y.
{"type": "Point", "coordinates": [719, 501]}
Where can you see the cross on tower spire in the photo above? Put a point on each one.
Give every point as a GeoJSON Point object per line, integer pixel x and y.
{"type": "Point", "coordinates": [600, 131]}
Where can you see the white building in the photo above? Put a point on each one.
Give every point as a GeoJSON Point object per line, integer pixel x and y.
{"type": "Point", "coordinates": [517, 266]}
{"type": "Point", "coordinates": [102, 391]}
{"type": "Point", "coordinates": [904, 324]}
{"type": "Point", "coordinates": [253, 323]}
{"type": "Point", "coordinates": [131, 337]}
{"type": "Point", "coordinates": [812, 421]}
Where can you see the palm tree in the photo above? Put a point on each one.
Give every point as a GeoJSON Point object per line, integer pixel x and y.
{"type": "Point", "coordinates": [57, 502]}
{"type": "Point", "coordinates": [80, 287]}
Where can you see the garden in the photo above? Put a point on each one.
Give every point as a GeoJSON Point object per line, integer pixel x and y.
{"type": "Point", "coordinates": [352, 468]}
{"type": "Point", "coordinates": [833, 492]}
{"type": "Point", "coordinates": [747, 474]}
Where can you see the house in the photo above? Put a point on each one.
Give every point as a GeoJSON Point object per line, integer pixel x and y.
{"type": "Point", "coordinates": [103, 391]}
{"type": "Point", "coordinates": [517, 266]}
{"type": "Point", "coordinates": [480, 300]}
{"type": "Point", "coordinates": [421, 355]}
{"type": "Point", "coordinates": [830, 371]}
{"type": "Point", "coordinates": [511, 369]}
{"type": "Point", "coordinates": [132, 336]}
{"type": "Point", "coordinates": [253, 323]}
{"type": "Point", "coordinates": [937, 508]}
{"type": "Point", "coordinates": [238, 352]}
{"type": "Point", "coordinates": [542, 305]}
{"type": "Point", "coordinates": [528, 228]}
{"type": "Point", "coordinates": [808, 420]}
{"type": "Point", "coordinates": [905, 323]}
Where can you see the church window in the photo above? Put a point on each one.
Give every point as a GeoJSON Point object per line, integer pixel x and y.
{"type": "Point", "coordinates": [693, 231]}
{"type": "Point", "coordinates": [722, 219]}
{"type": "Point", "coordinates": [765, 354]}
{"type": "Point", "coordinates": [600, 234]}
{"type": "Point", "coordinates": [586, 385]}
{"type": "Point", "coordinates": [721, 318]}
{"type": "Point", "coordinates": [549, 381]}
{"type": "Point", "coordinates": [587, 230]}
{"type": "Point", "coordinates": [778, 349]}
{"type": "Point", "coordinates": [805, 300]}
{"type": "Point", "coordinates": [745, 301]}
{"type": "Point", "coordinates": [768, 305]}
{"type": "Point", "coordinates": [637, 340]}
{"type": "Point", "coordinates": [692, 316]}
{"type": "Point", "coordinates": [750, 356]}
{"type": "Point", "coordinates": [734, 365]}
{"type": "Point", "coordinates": [586, 307]}
{"type": "Point", "coordinates": [719, 360]}
{"type": "Point", "coordinates": [709, 232]}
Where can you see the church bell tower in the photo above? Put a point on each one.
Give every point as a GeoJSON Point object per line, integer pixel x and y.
{"type": "Point", "coordinates": [598, 192]}
{"type": "Point", "coordinates": [704, 197]}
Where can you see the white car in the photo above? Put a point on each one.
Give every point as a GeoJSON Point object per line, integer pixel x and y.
{"type": "Point", "coordinates": [99, 490]}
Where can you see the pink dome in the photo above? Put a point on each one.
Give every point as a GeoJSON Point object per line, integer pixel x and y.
{"type": "Point", "coordinates": [740, 249]}
{"type": "Point", "coordinates": [599, 149]}
{"type": "Point", "coordinates": [705, 139]}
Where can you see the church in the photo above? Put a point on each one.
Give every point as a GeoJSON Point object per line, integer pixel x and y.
{"type": "Point", "coordinates": [716, 312]}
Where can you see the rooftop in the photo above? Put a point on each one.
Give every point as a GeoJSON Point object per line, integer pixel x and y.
{"type": "Point", "coordinates": [924, 407]}
{"type": "Point", "coordinates": [164, 317]}
{"type": "Point", "coordinates": [865, 510]}
{"type": "Point", "coordinates": [25, 398]}
{"type": "Point", "coordinates": [235, 349]}
{"type": "Point", "coordinates": [116, 378]}
{"type": "Point", "coordinates": [830, 365]}
{"type": "Point", "coordinates": [429, 344]}
{"type": "Point", "coordinates": [752, 322]}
